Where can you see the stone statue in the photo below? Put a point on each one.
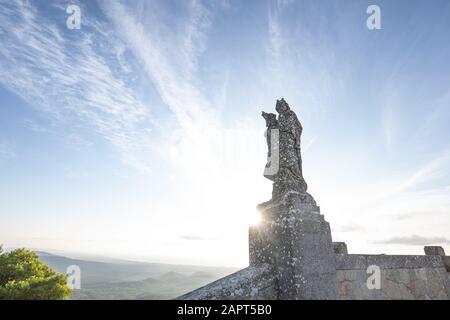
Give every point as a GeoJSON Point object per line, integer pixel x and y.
{"type": "Point", "coordinates": [289, 176]}
{"type": "Point", "coordinates": [292, 236]}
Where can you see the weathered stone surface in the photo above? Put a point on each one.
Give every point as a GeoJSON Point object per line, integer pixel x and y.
{"type": "Point", "coordinates": [271, 124]}
{"type": "Point", "coordinates": [446, 261]}
{"type": "Point", "coordinates": [402, 277]}
{"type": "Point", "coordinates": [296, 240]}
{"type": "Point", "coordinates": [434, 251]}
{"type": "Point", "coordinates": [289, 175]}
{"type": "Point", "coordinates": [362, 261]}
{"type": "Point", "coordinates": [395, 284]}
{"type": "Point", "coordinates": [252, 283]}
{"type": "Point", "coordinates": [340, 247]}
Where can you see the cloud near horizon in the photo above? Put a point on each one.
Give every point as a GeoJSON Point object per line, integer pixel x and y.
{"type": "Point", "coordinates": [414, 240]}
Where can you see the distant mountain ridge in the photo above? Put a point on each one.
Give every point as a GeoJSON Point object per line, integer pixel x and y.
{"type": "Point", "coordinates": [124, 279]}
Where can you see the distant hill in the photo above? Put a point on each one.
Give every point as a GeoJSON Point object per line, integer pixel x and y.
{"type": "Point", "coordinates": [121, 279]}
{"type": "Point", "coordinates": [168, 286]}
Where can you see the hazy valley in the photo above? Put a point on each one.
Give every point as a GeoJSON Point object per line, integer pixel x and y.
{"type": "Point", "coordinates": [122, 279]}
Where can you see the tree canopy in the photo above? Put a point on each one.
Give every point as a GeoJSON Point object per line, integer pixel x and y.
{"type": "Point", "coordinates": [24, 277]}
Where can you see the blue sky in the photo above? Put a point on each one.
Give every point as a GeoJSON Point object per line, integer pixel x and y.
{"type": "Point", "coordinates": [140, 136]}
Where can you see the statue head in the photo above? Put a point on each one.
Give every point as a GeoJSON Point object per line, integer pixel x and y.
{"type": "Point", "coordinates": [271, 119]}
{"type": "Point", "coordinates": [282, 106]}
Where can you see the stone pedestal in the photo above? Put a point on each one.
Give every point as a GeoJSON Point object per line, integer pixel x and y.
{"type": "Point", "coordinates": [296, 240]}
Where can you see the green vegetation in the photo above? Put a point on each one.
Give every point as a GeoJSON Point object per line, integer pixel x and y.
{"type": "Point", "coordinates": [24, 277]}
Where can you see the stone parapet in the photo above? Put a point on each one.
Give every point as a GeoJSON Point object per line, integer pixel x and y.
{"type": "Point", "coordinates": [251, 283]}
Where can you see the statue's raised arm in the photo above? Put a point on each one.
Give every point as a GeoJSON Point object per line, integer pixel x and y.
{"type": "Point", "coordinates": [289, 176]}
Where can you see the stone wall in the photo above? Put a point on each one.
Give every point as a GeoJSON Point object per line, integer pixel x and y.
{"type": "Point", "coordinates": [401, 277]}
{"type": "Point", "coordinates": [251, 283]}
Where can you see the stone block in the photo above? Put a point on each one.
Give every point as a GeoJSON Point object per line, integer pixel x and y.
{"type": "Point", "coordinates": [434, 251]}
{"type": "Point", "coordinates": [296, 240]}
{"type": "Point", "coordinates": [340, 247]}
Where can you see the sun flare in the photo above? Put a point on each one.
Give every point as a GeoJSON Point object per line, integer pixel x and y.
{"type": "Point", "coordinates": [254, 218]}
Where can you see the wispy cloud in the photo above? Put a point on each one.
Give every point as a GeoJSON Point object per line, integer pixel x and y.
{"type": "Point", "coordinates": [194, 36]}
{"type": "Point", "coordinates": [276, 47]}
{"type": "Point", "coordinates": [67, 75]}
{"type": "Point", "coordinates": [345, 228]}
{"type": "Point", "coordinates": [300, 66]}
{"type": "Point", "coordinates": [6, 151]}
{"type": "Point", "coordinates": [278, 40]}
{"type": "Point", "coordinates": [35, 127]}
{"type": "Point", "coordinates": [430, 172]}
{"type": "Point", "coordinates": [388, 127]}
{"type": "Point", "coordinates": [153, 51]}
{"type": "Point", "coordinates": [170, 57]}
{"type": "Point", "coordinates": [417, 214]}
{"type": "Point", "coordinates": [284, 3]}
{"type": "Point", "coordinates": [275, 33]}
{"type": "Point", "coordinates": [434, 169]}
{"type": "Point", "coordinates": [414, 240]}
{"type": "Point", "coordinates": [198, 238]}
